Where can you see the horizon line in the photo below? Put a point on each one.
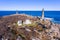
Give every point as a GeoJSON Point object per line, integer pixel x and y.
{"type": "Point", "coordinates": [29, 10]}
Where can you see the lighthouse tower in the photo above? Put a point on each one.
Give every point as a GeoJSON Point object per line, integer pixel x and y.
{"type": "Point", "coordinates": [42, 17]}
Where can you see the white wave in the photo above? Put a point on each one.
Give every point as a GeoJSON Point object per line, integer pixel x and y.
{"type": "Point", "coordinates": [49, 18]}
{"type": "Point", "coordinates": [52, 20]}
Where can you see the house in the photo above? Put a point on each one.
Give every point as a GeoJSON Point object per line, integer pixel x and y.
{"type": "Point", "coordinates": [19, 22]}
{"type": "Point", "coordinates": [27, 21]}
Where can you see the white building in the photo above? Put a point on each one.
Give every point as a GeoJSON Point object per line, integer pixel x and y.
{"type": "Point", "coordinates": [27, 21]}
{"type": "Point", "coordinates": [19, 22]}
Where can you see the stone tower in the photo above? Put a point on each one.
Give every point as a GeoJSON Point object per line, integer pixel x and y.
{"type": "Point", "coordinates": [42, 14]}
{"type": "Point", "coordinates": [16, 12]}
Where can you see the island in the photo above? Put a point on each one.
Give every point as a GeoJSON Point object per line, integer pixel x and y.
{"type": "Point", "coordinates": [26, 27]}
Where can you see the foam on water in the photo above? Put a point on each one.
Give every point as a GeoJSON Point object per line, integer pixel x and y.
{"type": "Point", "coordinates": [49, 18]}
{"type": "Point", "coordinates": [53, 20]}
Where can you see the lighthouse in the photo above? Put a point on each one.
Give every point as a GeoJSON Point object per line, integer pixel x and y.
{"type": "Point", "coordinates": [42, 17]}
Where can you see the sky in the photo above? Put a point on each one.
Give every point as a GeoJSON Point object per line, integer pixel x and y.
{"type": "Point", "coordinates": [29, 4]}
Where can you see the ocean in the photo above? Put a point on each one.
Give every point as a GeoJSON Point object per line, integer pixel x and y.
{"type": "Point", "coordinates": [49, 14]}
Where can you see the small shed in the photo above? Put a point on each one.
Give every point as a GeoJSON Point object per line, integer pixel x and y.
{"type": "Point", "coordinates": [19, 22]}
{"type": "Point", "coordinates": [27, 21]}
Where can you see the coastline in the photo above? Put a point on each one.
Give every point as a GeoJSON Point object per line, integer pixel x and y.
{"type": "Point", "coordinates": [49, 18]}
{"type": "Point", "coordinates": [49, 14]}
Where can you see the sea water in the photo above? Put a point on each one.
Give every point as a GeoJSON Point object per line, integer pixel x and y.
{"type": "Point", "coordinates": [55, 15]}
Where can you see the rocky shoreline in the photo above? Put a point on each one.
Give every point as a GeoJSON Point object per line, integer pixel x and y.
{"type": "Point", "coordinates": [36, 30]}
